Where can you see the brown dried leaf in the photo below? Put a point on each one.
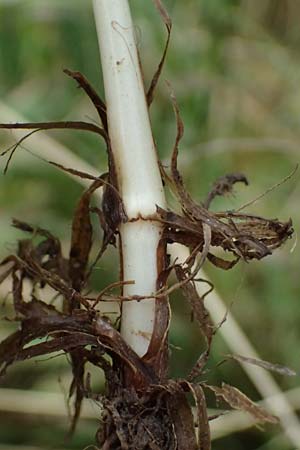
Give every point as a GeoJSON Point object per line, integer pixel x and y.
{"type": "Point", "coordinates": [40, 126]}
{"type": "Point", "coordinates": [278, 368]}
{"type": "Point", "coordinates": [77, 173]}
{"type": "Point", "coordinates": [157, 354]}
{"type": "Point", "coordinates": [246, 239]}
{"type": "Point", "coordinates": [81, 241]}
{"type": "Point", "coordinates": [196, 302]}
{"type": "Point", "coordinates": [65, 343]}
{"type": "Point", "coordinates": [111, 338]}
{"type": "Point", "coordinates": [222, 263]}
{"type": "Point", "coordinates": [223, 186]}
{"type": "Point", "coordinates": [238, 400]}
{"type": "Point", "coordinates": [112, 205]}
{"type": "Point", "coordinates": [182, 417]}
{"type": "Point", "coordinates": [19, 303]}
{"type": "Point", "coordinates": [204, 439]}
{"type": "Point", "coordinates": [199, 365]}
{"type": "Point", "coordinates": [64, 125]}
{"type": "Point", "coordinates": [108, 235]}
{"type": "Point", "coordinates": [164, 14]}
{"type": "Point", "coordinates": [92, 94]}
{"type": "Point", "coordinates": [167, 21]}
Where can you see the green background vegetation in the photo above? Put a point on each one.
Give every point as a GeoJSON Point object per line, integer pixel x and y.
{"type": "Point", "coordinates": [235, 68]}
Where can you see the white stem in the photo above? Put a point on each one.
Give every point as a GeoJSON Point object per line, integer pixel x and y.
{"type": "Point", "coordinates": [136, 163]}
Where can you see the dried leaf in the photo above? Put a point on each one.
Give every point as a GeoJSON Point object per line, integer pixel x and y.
{"type": "Point", "coordinates": [278, 368]}
{"type": "Point", "coordinates": [77, 173]}
{"type": "Point", "coordinates": [40, 126]}
{"type": "Point", "coordinates": [204, 439]}
{"type": "Point", "coordinates": [245, 239]}
{"type": "Point", "coordinates": [222, 263]}
{"type": "Point", "coordinates": [223, 186]}
{"type": "Point", "coordinates": [237, 400]}
{"type": "Point", "coordinates": [196, 302]}
{"type": "Point", "coordinates": [112, 205]}
{"type": "Point", "coordinates": [157, 354]}
{"type": "Point", "coordinates": [164, 14]}
{"type": "Point", "coordinates": [199, 365]}
{"type": "Point", "coordinates": [111, 338]}
{"type": "Point", "coordinates": [81, 241]}
{"type": "Point", "coordinates": [63, 125]}
{"type": "Point", "coordinates": [92, 94]}
{"type": "Point", "coordinates": [167, 21]}
{"type": "Point", "coordinates": [182, 417]}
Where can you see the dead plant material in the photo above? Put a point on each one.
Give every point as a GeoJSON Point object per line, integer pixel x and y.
{"type": "Point", "coordinates": [154, 412]}
{"type": "Point", "coordinates": [277, 368]}
{"type": "Point", "coordinates": [168, 23]}
{"type": "Point", "coordinates": [245, 236]}
{"type": "Point", "coordinates": [224, 185]}
{"type": "Point", "coordinates": [237, 400]}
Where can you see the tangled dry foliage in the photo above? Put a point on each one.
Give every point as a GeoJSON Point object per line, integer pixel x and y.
{"type": "Point", "coordinates": [143, 408]}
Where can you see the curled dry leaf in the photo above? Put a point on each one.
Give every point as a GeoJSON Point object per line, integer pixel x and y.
{"type": "Point", "coordinates": [238, 400]}
{"type": "Point", "coordinates": [245, 236]}
{"type": "Point", "coordinates": [81, 241]}
{"type": "Point", "coordinates": [224, 185]}
{"type": "Point", "coordinates": [278, 368]}
{"type": "Point", "coordinates": [168, 23]}
{"type": "Point", "coordinates": [196, 303]}
{"type": "Point", "coordinates": [204, 438]}
{"type": "Point", "coordinates": [40, 126]}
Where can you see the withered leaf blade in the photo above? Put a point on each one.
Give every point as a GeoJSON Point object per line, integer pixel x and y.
{"type": "Point", "coordinates": [112, 205]}
{"type": "Point", "coordinates": [182, 417]}
{"type": "Point", "coordinates": [65, 343]}
{"type": "Point", "coordinates": [204, 439]}
{"type": "Point", "coordinates": [40, 126]}
{"type": "Point", "coordinates": [92, 94]}
{"type": "Point", "coordinates": [238, 400]}
{"type": "Point", "coordinates": [247, 239]}
{"type": "Point", "coordinates": [8, 349]}
{"type": "Point", "coordinates": [81, 240]}
{"type": "Point", "coordinates": [222, 263]}
{"type": "Point", "coordinates": [157, 353]}
{"type": "Point", "coordinates": [273, 367]}
{"type": "Point", "coordinates": [197, 305]}
{"type": "Point", "coordinates": [111, 338]}
{"type": "Point", "coordinates": [64, 125]}
{"type": "Point", "coordinates": [199, 365]}
{"type": "Point", "coordinates": [163, 12]}
{"type": "Point", "coordinates": [76, 173]}
{"type": "Point", "coordinates": [224, 185]}
{"type": "Point", "coordinates": [167, 21]}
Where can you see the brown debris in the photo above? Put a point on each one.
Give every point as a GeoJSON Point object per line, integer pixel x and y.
{"type": "Point", "coordinates": [224, 185]}
{"type": "Point", "coordinates": [277, 368]}
{"type": "Point", "coordinates": [237, 400]}
{"type": "Point", "coordinates": [81, 241]}
{"type": "Point", "coordinates": [168, 23]}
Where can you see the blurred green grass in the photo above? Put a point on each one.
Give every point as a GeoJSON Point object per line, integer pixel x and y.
{"type": "Point", "coordinates": [235, 67]}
